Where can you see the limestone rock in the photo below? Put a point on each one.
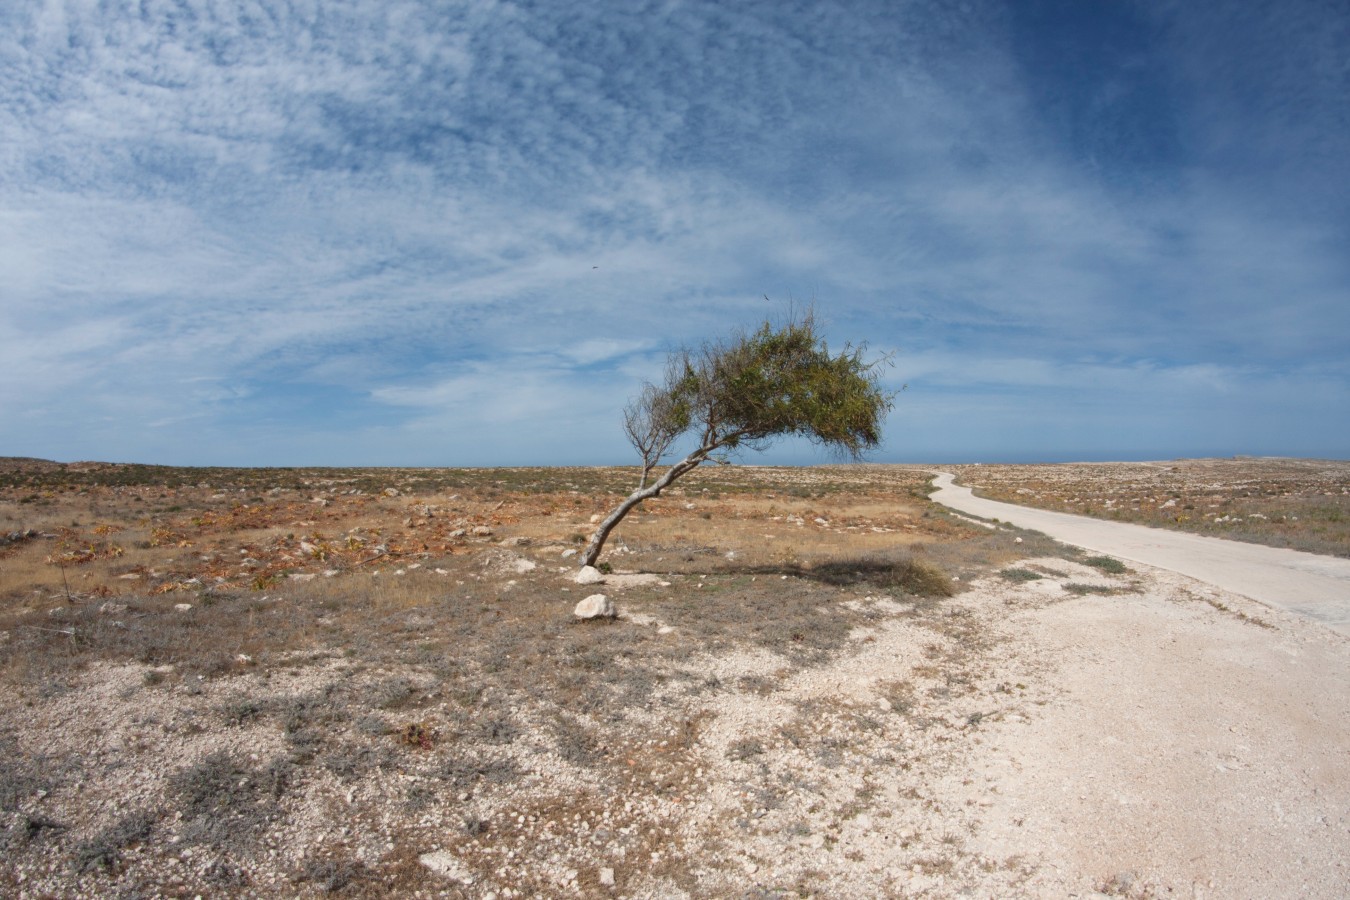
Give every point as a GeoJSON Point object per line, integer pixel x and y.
{"type": "Point", "coordinates": [588, 575]}
{"type": "Point", "coordinates": [594, 607]}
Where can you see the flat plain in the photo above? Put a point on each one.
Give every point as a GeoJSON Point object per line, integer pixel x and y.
{"type": "Point", "coordinates": [311, 682]}
{"type": "Point", "coordinates": [1302, 504]}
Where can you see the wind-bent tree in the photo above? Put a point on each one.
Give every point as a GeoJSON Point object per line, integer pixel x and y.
{"type": "Point", "coordinates": [742, 393]}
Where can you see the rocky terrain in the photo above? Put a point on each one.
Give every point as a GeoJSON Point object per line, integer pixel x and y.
{"type": "Point", "coordinates": [1302, 504]}
{"type": "Point", "coordinates": [277, 683]}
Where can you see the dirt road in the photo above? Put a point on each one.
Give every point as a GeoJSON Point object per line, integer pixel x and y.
{"type": "Point", "coordinates": [1304, 583]}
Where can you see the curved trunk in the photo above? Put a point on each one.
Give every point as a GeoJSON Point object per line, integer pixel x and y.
{"type": "Point", "coordinates": [597, 542]}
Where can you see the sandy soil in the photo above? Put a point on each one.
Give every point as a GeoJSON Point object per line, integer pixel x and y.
{"type": "Point", "coordinates": [1054, 730]}
{"type": "Point", "coordinates": [1185, 752]}
{"type": "Point", "coordinates": [1312, 585]}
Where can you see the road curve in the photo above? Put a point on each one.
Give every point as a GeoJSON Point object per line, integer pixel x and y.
{"type": "Point", "coordinates": [1311, 585]}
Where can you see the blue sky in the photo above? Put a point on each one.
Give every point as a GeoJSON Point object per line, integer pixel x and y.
{"type": "Point", "coordinates": [293, 232]}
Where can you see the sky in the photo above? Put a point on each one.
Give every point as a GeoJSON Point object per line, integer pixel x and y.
{"type": "Point", "coordinates": [429, 232]}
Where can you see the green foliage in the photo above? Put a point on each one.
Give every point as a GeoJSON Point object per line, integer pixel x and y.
{"type": "Point", "coordinates": [742, 393]}
{"type": "Point", "coordinates": [780, 381]}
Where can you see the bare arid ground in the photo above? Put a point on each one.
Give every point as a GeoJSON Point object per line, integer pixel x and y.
{"type": "Point", "coordinates": [1301, 504]}
{"type": "Point", "coordinates": [277, 683]}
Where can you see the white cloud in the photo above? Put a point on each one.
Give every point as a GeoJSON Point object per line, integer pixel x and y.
{"type": "Point", "coordinates": [436, 214]}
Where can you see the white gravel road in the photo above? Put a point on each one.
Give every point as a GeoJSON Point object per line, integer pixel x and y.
{"type": "Point", "coordinates": [1310, 585]}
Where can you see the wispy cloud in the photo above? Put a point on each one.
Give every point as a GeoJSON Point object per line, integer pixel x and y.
{"type": "Point", "coordinates": [232, 232]}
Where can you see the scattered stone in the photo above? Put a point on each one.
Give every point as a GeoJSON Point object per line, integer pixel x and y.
{"type": "Point", "coordinates": [391, 492]}
{"type": "Point", "coordinates": [595, 519]}
{"type": "Point", "coordinates": [446, 865]}
{"type": "Point", "coordinates": [588, 575]}
{"type": "Point", "coordinates": [130, 576]}
{"type": "Point", "coordinates": [607, 877]}
{"type": "Point", "coordinates": [665, 629]}
{"type": "Point", "coordinates": [594, 607]}
{"type": "Point", "coordinates": [569, 553]}
{"type": "Point", "coordinates": [458, 532]}
{"type": "Point", "coordinates": [319, 501]}
{"type": "Point", "coordinates": [112, 607]}
{"type": "Point", "coordinates": [307, 547]}
{"type": "Point", "coordinates": [301, 576]}
{"type": "Point", "coordinates": [482, 531]}
{"type": "Point", "coordinates": [182, 607]}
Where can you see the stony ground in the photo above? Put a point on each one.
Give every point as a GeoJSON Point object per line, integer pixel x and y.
{"type": "Point", "coordinates": [1303, 504]}
{"type": "Point", "coordinates": [371, 684]}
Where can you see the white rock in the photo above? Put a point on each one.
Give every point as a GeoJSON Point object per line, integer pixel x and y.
{"type": "Point", "coordinates": [182, 607]}
{"type": "Point", "coordinates": [445, 864]}
{"type": "Point", "coordinates": [482, 531]}
{"type": "Point", "coordinates": [566, 554]}
{"type": "Point", "coordinates": [607, 877]}
{"type": "Point", "coordinates": [521, 566]}
{"type": "Point", "coordinates": [665, 629]}
{"type": "Point", "coordinates": [595, 606]}
{"type": "Point", "coordinates": [391, 492]}
{"type": "Point", "coordinates": [302, 576]}
{"type": "Point", "coordinates": [588, 575]}
{"type": "Point", "coordinates": [595, 519]}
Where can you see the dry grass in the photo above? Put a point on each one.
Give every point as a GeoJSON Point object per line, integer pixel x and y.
{"type": "Point", "coordinates": [294, 682]}
{"type": "Point", "coordinates": [1296, 503]}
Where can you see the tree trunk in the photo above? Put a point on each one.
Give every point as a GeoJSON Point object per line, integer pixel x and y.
{"type": "Point", "coordinates": [597, 543]}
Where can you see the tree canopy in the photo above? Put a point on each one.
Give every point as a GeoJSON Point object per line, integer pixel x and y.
{"type": "Point", "coordinates": [741, 393]}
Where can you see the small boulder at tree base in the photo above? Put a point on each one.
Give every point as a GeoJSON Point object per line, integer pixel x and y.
{"type": "Point", "coordinates": [588, 575]}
